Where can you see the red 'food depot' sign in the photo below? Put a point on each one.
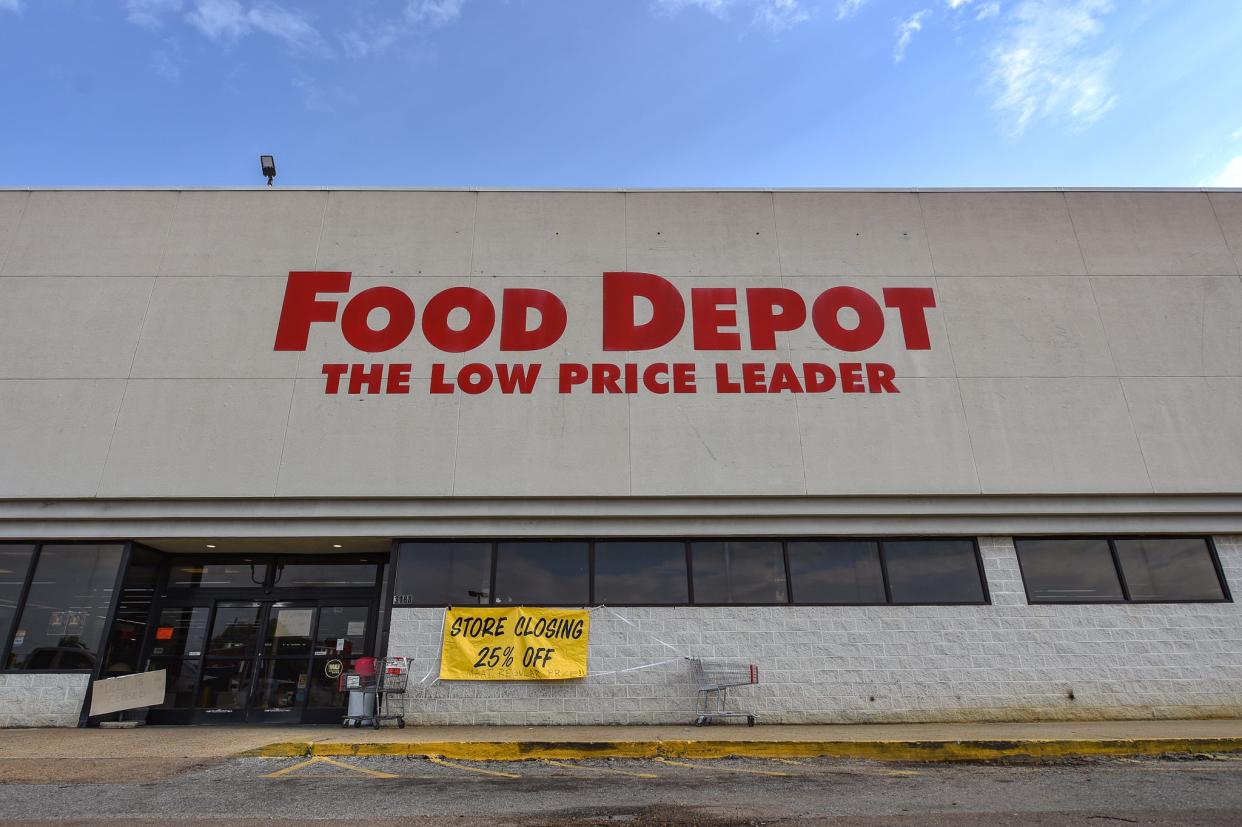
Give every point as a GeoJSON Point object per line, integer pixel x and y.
{"type": "Point", "coordinates": [533, 319]}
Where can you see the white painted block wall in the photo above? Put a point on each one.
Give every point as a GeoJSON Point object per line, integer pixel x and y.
{"type": "Point", "coordinates": [1006, 661]}
{"type": "Point", "coordinates": [36, 699]}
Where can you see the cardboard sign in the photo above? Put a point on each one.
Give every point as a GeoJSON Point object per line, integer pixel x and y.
{"type": "Point", "coordinates": [128, 692]}
{"type": "Point", "coordinates": [518, 643]}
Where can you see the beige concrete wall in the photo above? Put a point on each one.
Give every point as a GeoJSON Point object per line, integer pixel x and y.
{"type": "Point", "coordinates": [1083, 343]}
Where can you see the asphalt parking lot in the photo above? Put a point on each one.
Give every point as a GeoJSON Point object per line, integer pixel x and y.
{"type": "Point", "coordinates": [720, 793]}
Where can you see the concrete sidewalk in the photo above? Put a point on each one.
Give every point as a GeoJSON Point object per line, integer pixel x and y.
{"type": "Point", "coordinates": [895, 742]}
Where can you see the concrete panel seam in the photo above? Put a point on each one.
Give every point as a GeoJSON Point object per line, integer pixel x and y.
{"type": "Point", "coordinates": [1237, 254]}
{"type": "Point", "coordinates": [17, 228]}
{"type": "Point", "coordinates": [1107, 341]}
{"type": "Point", "coordinates": [133, 359]}
{"type": "Point", "coordinates": [474, 233]}
{"type": "Point", "coordinates": [456, 445]}
{"type": "Point", "coordinates": [961, 399]}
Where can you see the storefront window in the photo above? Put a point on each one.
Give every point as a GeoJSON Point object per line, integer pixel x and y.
{"type": "Point", "coordinates": [443, 574]}
{"type": "Point", "coordinates": [535, 573]}
{"type": "Point", "coordinates": [836, 572]}
{"type": "Point", "coordinates": [325, 575]}
{"type": "Point", "coordinates": [1069, 570]}
{"type": "Point", "coordinates": [739, 571]}
{"type": "Point", "coordinates": [1152, 569]}
{"type": "Point", "coordinates": [232, 574]}
{"type": "Point", "coordinates": [933, 571]}
{"type": "Point", "coordinates": [652, 572]}
{"type": "Point", "coordinates": [62, 623]}
{"type": "Point", "coordinates": [342, 630]}
{"type": "Point", "coordinates": [1168, 568]}
{"type": "Point", "coordinates": [133, 608]}
{"type": "Point", "coordinates": [14, 566]}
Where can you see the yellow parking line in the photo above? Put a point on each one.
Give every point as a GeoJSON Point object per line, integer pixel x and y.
{"type": "Point", "coordinates": [320, 759]}
{"type": "Point", "coordinates": [433, 759]}
{"type": "Point", "coordinates": [363, 770]}
{"type": "Point", "coordinates": [726, 769]}
{"type": "Point", "coordinates": [551, 763]}
{"type": "Point", "coordinates": [292, 767]}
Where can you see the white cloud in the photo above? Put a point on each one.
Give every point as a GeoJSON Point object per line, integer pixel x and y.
{"type": "Point", "coordinates": [150, 14]}
{"type": "Point", "coordinates": [957, 4]}
{"type": "Point", "coordinates": [906, 29]}
{"type": "Point", "coordinates": [776, 15]}
{"type": "Point", "coordinates": [1231, 175]}
{"type": "Point", "coordinates": [10, 5]}
{"type": "Point", "coordinates": [848, 8]}
{"type": "Point", "coordinates": [436, 12]}
{"type": "Point", "coordinates": [988, 10]}
{"type": "Point", "coordinates": [370, 36]}
{"type": "Point", "coordinates": [1237, 135]}
{"type": "Point", "coordinates": [371, 39]}
{"type": "Point", "coordinates": [1045, 68]}
{"type": "Point", "coordinates": [230, 20]}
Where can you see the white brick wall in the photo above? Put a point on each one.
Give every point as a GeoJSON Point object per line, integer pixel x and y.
{"type": "Point", "coordinates": [38, 699]}
{"type": "Point", "coordinates": [1006, 661]}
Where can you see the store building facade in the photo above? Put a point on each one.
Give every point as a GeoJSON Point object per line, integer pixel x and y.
{"type": "Point", "coordinates": [933, 455]}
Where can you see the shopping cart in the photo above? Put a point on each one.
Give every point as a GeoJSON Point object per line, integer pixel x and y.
{"type": "Point", "coordinates": [712, 678]}
{"type": "Point", "coordinates": [394, 676]}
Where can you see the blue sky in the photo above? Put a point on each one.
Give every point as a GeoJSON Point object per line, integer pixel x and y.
{"type": "Point", "coordinates": [626, 93]}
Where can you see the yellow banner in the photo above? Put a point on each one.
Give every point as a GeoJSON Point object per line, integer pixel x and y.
{"type": "Point", "coordinates": [514, 643]}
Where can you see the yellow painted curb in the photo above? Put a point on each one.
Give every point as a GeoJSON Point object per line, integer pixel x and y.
{"type": "Point", "coordinates": [872, 750]}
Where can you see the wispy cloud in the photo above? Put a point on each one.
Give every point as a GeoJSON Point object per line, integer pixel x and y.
{"type": "Point", "coordinates": [849, 8]}
{"type": "Point", "coordinates": [906, 30]}
{"type": "Point", "coordinates": [371, 36]}
{"type": "Point", "coordinates": [988, 10]}
{"type": "Point", "coordinates": [985, 10]}
{"type": "Point", "coordinates": [230, 20]}
{"type": "Point", "coordinates": [1045, 66]}
{"type": "Point", "coordinates": [436, 12]}
{"type": "Point", "coordinates": [781, 14]}
{"type": "Point", "coordinates": [150, 14]}
{"type": "Point", "coordinates": [10, 5]}
{"type": "Point", "coordinates": [776, 15]}
{"type": "Point", "coordinates": [1231, 175]}
{"type": "Point", "coordinates": [1237, 134]}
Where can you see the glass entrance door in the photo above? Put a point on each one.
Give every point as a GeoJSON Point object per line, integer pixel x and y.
{"type": "Point", "coordinates": [258, 661]}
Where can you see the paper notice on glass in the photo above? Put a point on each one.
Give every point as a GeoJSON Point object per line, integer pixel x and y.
{"type": "Point", "coordinates": [294, 622]}
{"type": "Point", "coordinates": [356, 627]}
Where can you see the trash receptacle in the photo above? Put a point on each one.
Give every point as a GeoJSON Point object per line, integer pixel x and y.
{"type": "Point", "coordinates": [360, 686]}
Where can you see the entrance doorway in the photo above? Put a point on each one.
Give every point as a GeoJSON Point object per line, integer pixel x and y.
{"type": "Point", "coordinates": [271, 651]}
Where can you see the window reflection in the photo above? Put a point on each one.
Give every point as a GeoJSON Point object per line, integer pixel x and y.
{"type": "Point", "coordinates": [841, 572]}
{"type": "Point", "coordinates": [241, 573]}
{"type": "Point", "coordinates": [542, 573]}
{"type": "Point", "coordinates": [1069, 570]}
{"type": "Point", "coordinates": [651, 572]}
{"type": "Point", "coordinates": [62, 623]}
{"type": "Point", "coordinates": [1167, 568]}
{"type": "Point", "coordinates": [325, 575]}
{"type": "Point", "coordinates": [933, 571]}
{"type": "Point", "coordinates": [14, 565]}
{"type": "Point", "coordinates": [739, 571]}
{"type": "Point", "coordinates": [443, 574]}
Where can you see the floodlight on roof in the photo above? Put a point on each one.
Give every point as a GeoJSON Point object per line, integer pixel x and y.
{"type": "Point", "coordinates": [268, 163]}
